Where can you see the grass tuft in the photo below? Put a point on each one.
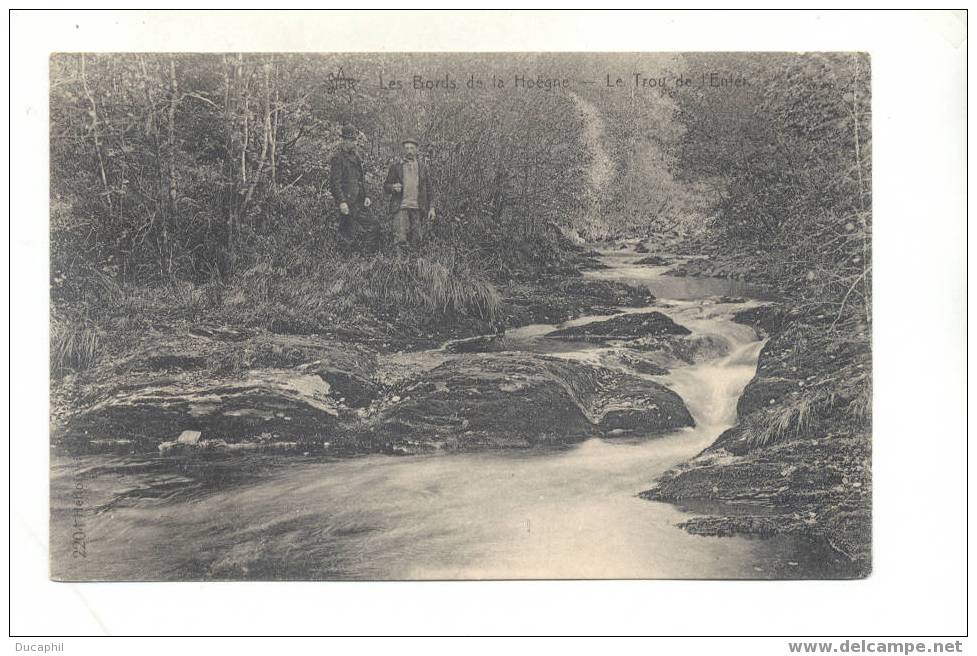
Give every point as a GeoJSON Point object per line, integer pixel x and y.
{"type": "Point", "coordinates": [796, 418]}
{"type": "Point", "coordinates": [74, 345]}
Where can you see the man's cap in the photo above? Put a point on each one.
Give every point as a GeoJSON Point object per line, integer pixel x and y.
{"type": "Point", "coordinates": [348, 132]}
{"type": "Point", "coordinates": [407, 140]}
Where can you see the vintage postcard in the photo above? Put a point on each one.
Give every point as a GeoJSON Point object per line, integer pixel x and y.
{"type": "Point", "coordinates": [420, 316]}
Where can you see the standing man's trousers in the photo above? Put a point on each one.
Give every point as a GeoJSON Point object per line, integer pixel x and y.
{"type": "Point", "coordinates": [407, 227]}
{"type": "Point", "coordinates": [359, 230]}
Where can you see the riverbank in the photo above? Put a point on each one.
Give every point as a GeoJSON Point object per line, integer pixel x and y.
{"type": "Point", "coordinates": [605, 402]}
{"type": "Point", "coordinates": [798, 461]}
{"type": "Point", "coordinates": [794, 467]}
{"type": "Point", "coordinates": [238, 369]}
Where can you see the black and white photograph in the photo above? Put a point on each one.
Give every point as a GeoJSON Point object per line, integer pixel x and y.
{"type": "Point", "coordinates": [460, 316]}
{"type": "Point", "coordinates": [411, 322]}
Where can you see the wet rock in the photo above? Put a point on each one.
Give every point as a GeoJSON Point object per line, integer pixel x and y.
{"type": "Point", "coordinates": [803, 488]}
{"type": "Point", "coordinates": [173, 362]}
{"type": "Point", "coordinates": [628, 360]}
{"type": "Point", "coordinates": [768, 318]}
{"type": "Point", "coordinates": [348, 368]}
{"type": "Point", "coordinates": [637, 404]}
{"type": "Point", "coordinates": [114, 446]}
{"type": "Point", "coordinates": [189, 437]}
{"type": "Point", "coordinates": [653, 260]}
{"type": "Point", "coordinates": [517, 398]}
{"type": "Point", "coordinates": [592, 265]}
{"type": "Point", "coordinates": [295, 404]}
{"type": "Point", "coordinates": [233, 390]}
{"type": "Point", "coordinates": [224, 447]}
{"type": "Point", "coordinates": [763, 392]}
{"type": "Point", "coordinates": [479, 344]}
{"type": "Point", "coordinates": [555, 299]}
{"type": "Point", "coordinates": [521, 399]}
{"type": "Point", "coordinates": [602, 292]}
{"type": "Point", "coordinates": [625, 326]}
{"type": "Point", "coordinates": [672, 350]}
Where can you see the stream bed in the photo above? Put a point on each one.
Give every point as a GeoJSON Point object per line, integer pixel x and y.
{"type": "Point", "coordinates": [558, 512]}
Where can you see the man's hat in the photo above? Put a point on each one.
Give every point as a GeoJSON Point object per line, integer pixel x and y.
{"type": "Point", "coordinates": [348, 132]}
{"type": "Point", "coordinates": [407, 140]}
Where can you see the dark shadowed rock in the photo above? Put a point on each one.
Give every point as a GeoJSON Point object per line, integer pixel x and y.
{"type": "Point", "coordinates": [625, 326]}
{"type": "Point", "coordinates": [640, 361]}
{"type": "Point", "coordinates": [768, 318]}
{"type": "Point", "coordinates": [479, 344]}
{"type": "Point", "coordinates": [764, 392]}
{"type": "Point", "coordinates": [653, 260]}
{"type": "Point", "coordinates": [292, 388]}
{"type": "Point", "coordinates": [524, 399]}
{"type": "Point", "coordinates": [556, 299]}
{"type": "Point", "coordinates": [153, 411]}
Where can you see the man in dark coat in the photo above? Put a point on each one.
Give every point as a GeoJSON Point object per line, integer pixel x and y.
{"type": "Point", "coordinates": [358, 229]}
{"type": "Point", "coordinates": [411, 196]}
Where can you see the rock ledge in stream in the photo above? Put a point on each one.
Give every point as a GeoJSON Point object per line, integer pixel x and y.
{"type": "Point", "coordinates": [154, 395]}
{"type": "Point", "coordinates": [654, 260]}
{"type": "Point", "coordinates": [521, 399]}
{"type": "Point", "coordinates": [555, 299]}
{"type": "Point", "coordinates": [625, 326]}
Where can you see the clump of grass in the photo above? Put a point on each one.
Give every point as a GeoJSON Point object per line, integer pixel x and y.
{"type": "Point", "coordinates": [859, 410]}
{"type": "Point", "coordinates": [788, 421]}
{"type": "Point", "coordinates": [444, 289]}
{"type": "Point", "coordinates": [438, 288]}
{"type": "Point", "coordinates": [74, 345]}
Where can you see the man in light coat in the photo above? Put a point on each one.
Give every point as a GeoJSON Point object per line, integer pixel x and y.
{"type": "Point", "coordinates": [411, 202]}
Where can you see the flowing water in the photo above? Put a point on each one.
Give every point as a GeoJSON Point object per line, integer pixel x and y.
{"type": "Point", "coordinates": [539, 513]}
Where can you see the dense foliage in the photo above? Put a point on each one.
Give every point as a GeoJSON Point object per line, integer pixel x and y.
{"type": "Point", "coordinates": [209, 173]}
{"type": "Point", "coordinates": [788, 156]}
{"type": "Point", "coordinates": [180, 166]}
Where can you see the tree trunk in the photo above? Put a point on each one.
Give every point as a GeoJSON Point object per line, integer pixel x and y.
{"type": "Point", "coordinates": [266, 133]}
{"type": "Point", "coordinates": [171, 142]}
{"type": "Point", "coordinates": [230, 182]}
{"type": "Point", "coordinates": [274, 139]}
{"type": "Point", "coordinates": [95, 135]}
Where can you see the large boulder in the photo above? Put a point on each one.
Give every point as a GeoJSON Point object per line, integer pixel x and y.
{"type": "Point", "coordinates": [150, 411]}
{"type": "Point", "coordinates": [267, 389]}
{"type": "Point", "coordinates": [525, 399]}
